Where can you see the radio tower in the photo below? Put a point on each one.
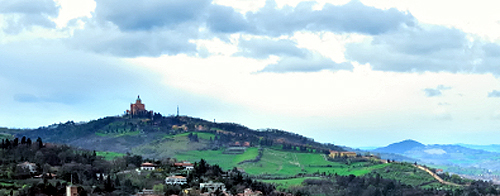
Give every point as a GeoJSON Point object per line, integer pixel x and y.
{"type": "Point", "coordinates": [177, 110]}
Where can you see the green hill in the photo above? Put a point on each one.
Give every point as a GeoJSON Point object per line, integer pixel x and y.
{"type": "Point", "coordinates": [160, 136]}
{"type": "Point", "coordinates": [285, 159]}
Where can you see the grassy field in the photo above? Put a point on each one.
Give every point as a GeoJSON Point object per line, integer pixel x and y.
{"type": "Point", "coordinates": [285, 163]}
{"type": "Point", "coordinates": [131, 133]}
{"type": "Point", "coordinates": [280, 163]}
{"type": "Point", "coordinates": [109, 155]}
{"type": "Point", "coordinates": [226, 161]}
{"type": "Point", "coordinates": [201, 135]}
{"type": "Point", "coordinates": [407, 174]}
{"type": "Point", "coordinates": [287, 183]}
{"type": "Point", "coordinates": [170, 146]}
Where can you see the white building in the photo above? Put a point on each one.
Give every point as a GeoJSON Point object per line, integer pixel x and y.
{"type": "Point", "coordinates": [30, 167]}
{"type": "Point", "coordinates": [176, 180]}
{"type": "Point", "coordinates": [148, 166]}
{"type": "Point", "coordinates": [212, 186]}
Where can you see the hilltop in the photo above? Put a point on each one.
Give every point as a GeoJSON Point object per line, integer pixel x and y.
{"type": "Point", "coordinates": [161, 136]}
{"type": "Point", "coordinates": [400, 147]}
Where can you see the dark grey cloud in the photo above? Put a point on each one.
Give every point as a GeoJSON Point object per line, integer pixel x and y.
{"type": "Point", "coordinates": [430, 48]}
{"type": "Point", "coordinates": [262, 48]}
{"type": "Point", "coordinates": [151, 28]}
{"type": "Point", "coordinates": [313, 62]}
{"type": "Point", "coordinates": [434, 92]}
{"type": "Point", "coordinates": [224, 19]}
{"type": "Point", "coordinates": [292, 58]}
{"type": "Point", "coordinates": [23, 14]}
{"type": "Point", "coordinates": [110, 40]}
{"type": "Point", "coordinates": [142, 28]}
{"type": "Point", "coordinates": [131, 15]}
{"type": "Point", "coordinates": [351, 17]}
{"type": "Point", "coordinates": [494, 93]}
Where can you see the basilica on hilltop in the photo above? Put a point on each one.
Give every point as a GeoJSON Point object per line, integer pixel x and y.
{"type": "Point", "coordinates": [138, 109]}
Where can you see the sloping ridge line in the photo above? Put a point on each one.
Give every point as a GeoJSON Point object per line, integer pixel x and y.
{"type": "Point", "coordinates": [436, 176]}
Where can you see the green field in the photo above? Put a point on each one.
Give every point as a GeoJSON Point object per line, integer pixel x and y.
{"type": "Point", "coordinates": [407, 174]}
{"type": "Point", "coordinates": [280, 163]}
{"type": "Point", "coordinates": [171, 146]}
{"type": "Point", "coordinates": [109, 155]}
{"type": "Point", "coordinates": [225, 161]}
{"type": "Point", "coordinates": [287, 183]}
{"type": "Point", "coordinates": [201, 135]}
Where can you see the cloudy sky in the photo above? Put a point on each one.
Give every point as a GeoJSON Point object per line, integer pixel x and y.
{"type": "Point", "coordinates": [356, 73]}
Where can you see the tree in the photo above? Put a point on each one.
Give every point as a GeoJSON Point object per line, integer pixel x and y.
{"type": "Point", "coordinates": [40, 143]}
{"type": "Point", "coordinates": [158, 189]}
{"type": "Point", "coordinates": [16, 142]}
{"type": "Point", "coordinates": [108, 185]}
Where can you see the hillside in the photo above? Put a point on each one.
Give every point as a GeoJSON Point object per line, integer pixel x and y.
{"type": "Point", "coordinates": [159, 136]}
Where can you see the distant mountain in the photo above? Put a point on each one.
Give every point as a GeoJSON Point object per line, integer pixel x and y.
{"type": "Point", "coordinates": [489, 148]}
{"type": "Point", "coordinates": [451, 156]}
{"type": "Point", "coordinates": [400, 147]}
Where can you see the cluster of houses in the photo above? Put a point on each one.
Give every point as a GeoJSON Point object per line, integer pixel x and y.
{"type": "Point", "coordinates": [181, 165]}
{"type": "Point", "coordinates": [207, 188]}
{"type": "Point", "coordinates": [171, 180]}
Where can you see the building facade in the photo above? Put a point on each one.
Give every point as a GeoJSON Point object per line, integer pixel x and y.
{"type": "Point", "coordinates": [139, 109]}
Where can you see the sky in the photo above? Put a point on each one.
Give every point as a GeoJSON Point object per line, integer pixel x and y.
{"type": "Point", "coordinates": [356, 73]}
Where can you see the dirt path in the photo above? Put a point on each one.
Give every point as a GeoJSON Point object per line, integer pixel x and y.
{"type": "Point", "coordinates": [436, 176]}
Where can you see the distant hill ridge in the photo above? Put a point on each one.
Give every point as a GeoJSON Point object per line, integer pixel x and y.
{"type": "Point", "coordinates": [400, 147]}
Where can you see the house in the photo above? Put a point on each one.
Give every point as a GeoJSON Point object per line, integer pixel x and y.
{"type": "Point", "coordinates": [212, 186]}
{"type": "Point", "coordinates": [176, 180]}
{"type": "Point", "coordinates": [148, 166]}
{"type": "Point", "coordinates": [348, 154]}
{"type": "Point", "coordinates": [184, 165]}
{"type": "Point", "coordinates": [27, 166]}
{"type": "Point", "coordinates": [249, 192]}
{"type": "Point", "coordinates": [337, 154]}
{"type": "Point", "coordinates": [71, 190]}
{"type": "Point", "coordinates": [49, 175]}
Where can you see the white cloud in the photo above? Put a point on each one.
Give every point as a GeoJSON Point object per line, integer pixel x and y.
{"type": "Point", "coordinates": [193, 57]}
{"type": "Point", "coordinates": [74, 9]}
